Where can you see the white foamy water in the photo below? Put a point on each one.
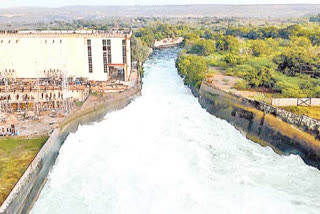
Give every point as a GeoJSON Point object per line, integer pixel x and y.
{"type": "Point", "coordinates": [164, 154]}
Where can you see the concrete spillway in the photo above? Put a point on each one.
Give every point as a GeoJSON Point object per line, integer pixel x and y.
{"type": "Point", "coordinates": [165, 154]}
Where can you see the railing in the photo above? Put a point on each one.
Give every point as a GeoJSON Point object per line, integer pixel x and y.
{"type": "Point", "coordinates": [295, 102]}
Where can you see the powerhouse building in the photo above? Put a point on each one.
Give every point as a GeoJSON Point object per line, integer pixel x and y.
{"type": "Point", "coordinates": [94, 55]}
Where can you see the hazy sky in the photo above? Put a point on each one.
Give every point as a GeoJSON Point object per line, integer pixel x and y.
{"type": "Point", "coordinates": [58, 3]}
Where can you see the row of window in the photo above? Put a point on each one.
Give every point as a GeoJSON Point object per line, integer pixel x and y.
{"type": "Point", "coordinates": [124, 51]}
{"type": "Point", "coordinates": [9, 41]}
{"type": "Point", "coordinates": [89, 55]}
{"type": "Point", "coordinates": [17, 40]}
{"type": "Point", "coordinates": [106, 49]}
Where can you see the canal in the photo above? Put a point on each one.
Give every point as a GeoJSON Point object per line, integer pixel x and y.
{"type": "Point", "coordinates": [165, 154]}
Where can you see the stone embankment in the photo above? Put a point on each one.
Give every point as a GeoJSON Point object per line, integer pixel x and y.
{"type": "Point", "coordinates": [26, 191]}
{"type": "Point", "coordinates": [285, 132]}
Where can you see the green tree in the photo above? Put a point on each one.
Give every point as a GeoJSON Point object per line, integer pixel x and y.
{"type": "Point", "coordinates": [203, 47]}
{"type": "Point", "coordinates": [192, 68]}
{"type": "Point", "coordinates": [260, 78]}
{"type": "Point", "coordinates": [139, 52]}
{"type": "Point", "coordinates": [259, 47]}
{"type": "Point", "coordinates": [296, 59]}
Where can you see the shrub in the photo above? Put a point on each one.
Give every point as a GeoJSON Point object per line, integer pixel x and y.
{"type": "Point", "coordinates": [241, 85]}
{"type": "Point", "coordinates": [203, 47]}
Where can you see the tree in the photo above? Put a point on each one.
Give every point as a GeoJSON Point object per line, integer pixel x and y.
{"type": "Point", "coordinates": [147, 36]}
{"type": "Point", "coordinates": [231, 44]}
{"type": "Point", "coordinates": [260, 78]}
{"type": "Point", "coordinates": [296, 59]}
{"type": "Point", "coordinates": [203, 47]}
{"type": "Point", "coordinates": [233, 58]}
{"type": "Point", "coordinates": [192, 68]}
{"type": "Point", "coordinates": [259, 47]}
{"type": "Point", "coordinates": [139, 51]}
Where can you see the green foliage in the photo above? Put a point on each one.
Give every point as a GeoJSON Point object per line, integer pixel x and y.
{"type": "Point", "coordinates": [300, 86]}
{"type": "Point", "coordinates": [228, 43]}
{"type": "Point", "coordinates": [192, 68]}
{"type": "Point", "coordinates": [233, 59]}
{"type": "Point", "coordinates": [147, 36]}
{"type": "Point", "coordinates": [203, 47]}
{"type": "Point", "coordinates": [16, 153]}
{"type": "Point", "coordinates": [260, 78]}
{"type": "Point", "coordinates": [139, 51]}
{"type": "Point", "coordinates": [241, 70]}
{"type": "Point", "coordinates": [289, 90]}
{"type": "Point", "coordinates": [296, 60]}
{"type": "Point", "coordinates": [284, 59]}
{"type": "Point", "coordinates": [259, 47]}
{"type": "Point", "coordinates": [241, 85]}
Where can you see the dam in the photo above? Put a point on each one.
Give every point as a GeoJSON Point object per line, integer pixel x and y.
{"type": "Point", "coordinates": [165, 154]}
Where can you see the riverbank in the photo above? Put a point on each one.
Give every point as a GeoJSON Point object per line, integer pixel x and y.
{"type": "Point", "coordinates": [25, 192]}
{"type": "Point", "coordinates": [263, 124]}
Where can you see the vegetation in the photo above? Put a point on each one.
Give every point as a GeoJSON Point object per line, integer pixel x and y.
{"type": "Point", "coordinates": [193, 69]}
{"type": "Point", "coordinates": [15, 156]}
{"type": "Point", "coordinates": [313, 112]}
{"type": "Point", "coordinates": [284, 60]}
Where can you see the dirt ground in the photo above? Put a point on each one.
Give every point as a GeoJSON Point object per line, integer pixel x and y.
{"type": "Point", "coordinates": [227, 83]}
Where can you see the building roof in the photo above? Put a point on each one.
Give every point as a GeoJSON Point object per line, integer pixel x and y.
{"type": "Point", "coordinates": [66, 33]}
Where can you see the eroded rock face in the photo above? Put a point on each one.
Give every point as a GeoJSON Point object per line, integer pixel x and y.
{"type": "Point", "coordinates": [265, 124]}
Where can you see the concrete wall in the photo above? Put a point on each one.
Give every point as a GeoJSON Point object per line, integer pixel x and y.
{"type": "Point", "coordinates": [168, 42]}
{"type": "Point", "coordinates": [26, 191]}
{"type": "Point", "coordinates": [285, 132]}
{"type": "Point", "coordinates": [295, 102]}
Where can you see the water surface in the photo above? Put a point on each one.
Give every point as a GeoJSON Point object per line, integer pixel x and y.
{"type": "Point", "coordinates": [165, 154]}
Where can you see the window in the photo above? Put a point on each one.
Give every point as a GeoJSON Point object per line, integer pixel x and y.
{"type": "Point", "coordinates": [105, 60]}
{"type": "Point", "coordinates": [109, 50]}
{"type": "Point", "coordinates": [89, 55]}
{"type": "Point", "coordinates": [124, 51]}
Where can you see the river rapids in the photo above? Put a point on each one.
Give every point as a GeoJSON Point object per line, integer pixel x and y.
{"type": "Point", "coordinates": [164, 154]}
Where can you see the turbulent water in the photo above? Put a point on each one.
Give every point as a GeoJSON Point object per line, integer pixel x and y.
{"type": "Point", "coordinates": [165, 154]}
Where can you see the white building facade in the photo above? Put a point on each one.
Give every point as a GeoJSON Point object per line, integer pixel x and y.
{"type": "Point", "coordinates": [94, 55]}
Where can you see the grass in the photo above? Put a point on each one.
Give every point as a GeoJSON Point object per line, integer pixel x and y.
{"type": "Point", "coordinates": [15, 156]}
{"type": "Point", "coordinates": [79, 103]}
{"type": "Point", "coordinates": [313, 112]}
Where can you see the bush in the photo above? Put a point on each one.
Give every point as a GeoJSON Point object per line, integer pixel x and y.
{"type": "Point", "coordinates": [241, 85]}
{"type": "Point", "coordinates": [233, 59]}
{"type": "Point", "coordinates": [192, 68]}
{"type": "Point", "coordinates": [260, 78]}
{"type": "Point", "coordinates": [288, 89]}
{"type": "Point", "coordinates": [203, 47]}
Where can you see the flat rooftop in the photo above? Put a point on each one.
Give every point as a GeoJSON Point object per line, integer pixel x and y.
{"type": "Point", "coordinates": [65, 33]}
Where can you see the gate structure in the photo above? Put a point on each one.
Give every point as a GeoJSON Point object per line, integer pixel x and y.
{"type": "Point", "coordinates": [304, 102]}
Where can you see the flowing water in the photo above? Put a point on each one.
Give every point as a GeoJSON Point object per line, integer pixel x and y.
{"type": "Point", "coordinates": [165, 154]}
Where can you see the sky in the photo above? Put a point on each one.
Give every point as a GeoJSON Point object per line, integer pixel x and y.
{"type": "Point", "coordinates": [59, 3]}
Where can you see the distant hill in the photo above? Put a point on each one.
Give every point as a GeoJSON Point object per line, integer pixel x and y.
{"type": "Point", "coordinates": [94, 12]}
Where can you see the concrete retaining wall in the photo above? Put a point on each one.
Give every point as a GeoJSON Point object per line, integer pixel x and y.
{"type": "Point", "coordinates": [26, 191]}
{"type": "Point", "coordinates": [285, 132]}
